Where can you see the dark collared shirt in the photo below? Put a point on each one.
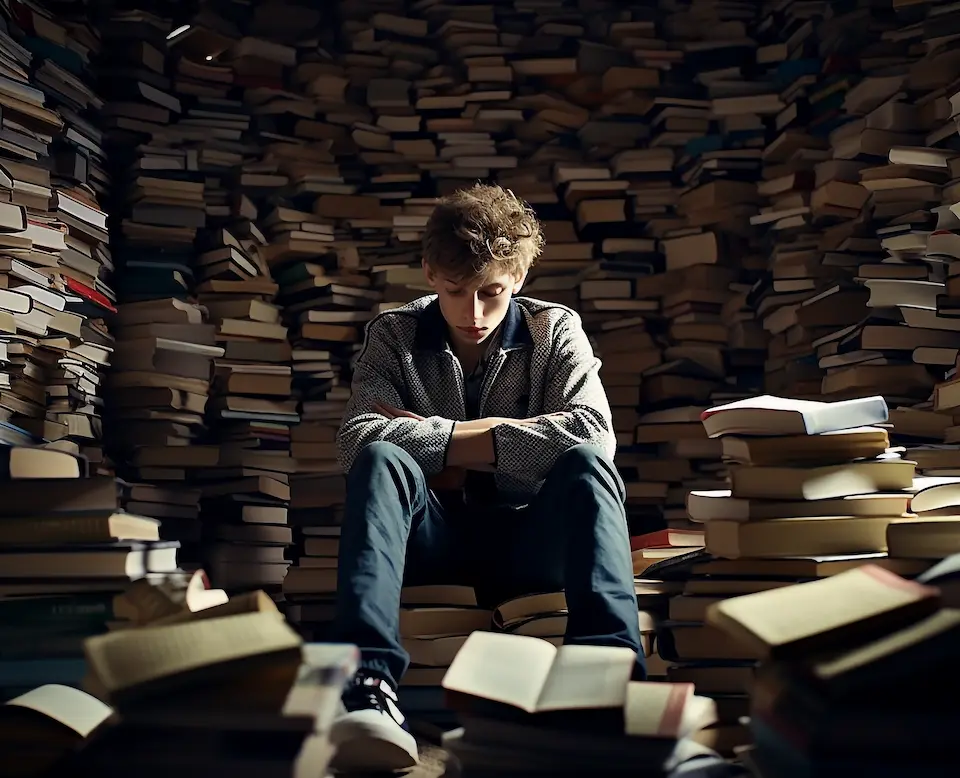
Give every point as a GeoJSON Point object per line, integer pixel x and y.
{"type": "Point", "coordinates": [473, 382]}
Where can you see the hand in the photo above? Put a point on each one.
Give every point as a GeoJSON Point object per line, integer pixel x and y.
{"type": "Point", "coordinates": [395, 413]}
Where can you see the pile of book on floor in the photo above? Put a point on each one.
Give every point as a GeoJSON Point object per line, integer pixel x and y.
{"type": "Point", "coordinates": [858, 674]}
{"type": "Point", "coordinates": [527, 705]}
{"type": "Point", "coordinates": [231, 685]}
{"type": "Point", "coordinates": [66, 551]}
{"type": "Point", "coordinates": [814, 488]}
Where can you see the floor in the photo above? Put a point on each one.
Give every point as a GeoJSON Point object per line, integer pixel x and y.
{"type": "Point", "coordinates": [433, 763]}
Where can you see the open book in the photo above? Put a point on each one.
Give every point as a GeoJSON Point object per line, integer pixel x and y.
{"type": "Point", "coordinates": [43, 726]}
{"type": "Point", "coordinates": [519, 677]}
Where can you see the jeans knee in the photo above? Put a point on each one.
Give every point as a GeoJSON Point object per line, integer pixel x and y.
{"type": "Point", "coordinates": [377, 455]}
{"type": "Point", "coordinates": [582, 458]}
{"type": "Point", "coordinates": [586, 460]}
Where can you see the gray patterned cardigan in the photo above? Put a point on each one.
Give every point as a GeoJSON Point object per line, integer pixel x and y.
{"type": "Point", "coordinates": [544, 363]}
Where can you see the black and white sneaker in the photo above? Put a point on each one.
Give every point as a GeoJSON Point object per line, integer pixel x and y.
{"type": "Point", "coordinates": [371, 733]}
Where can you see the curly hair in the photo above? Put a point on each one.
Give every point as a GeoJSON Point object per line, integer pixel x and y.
{"type": "Point", "coordinates": [482, 231]}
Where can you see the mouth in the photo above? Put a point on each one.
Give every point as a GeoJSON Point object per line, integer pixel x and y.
{"type": "Point", "coordinates": [472, 330]}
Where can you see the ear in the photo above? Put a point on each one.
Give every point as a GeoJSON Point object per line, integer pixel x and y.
{"type": "Point", "coordinates": [521, 279]}
{"type": "Point", "coordinates": [429, 273]}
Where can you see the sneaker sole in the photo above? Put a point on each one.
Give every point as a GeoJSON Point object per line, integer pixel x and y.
{"type": "Point", "coordinates": [371, 755]}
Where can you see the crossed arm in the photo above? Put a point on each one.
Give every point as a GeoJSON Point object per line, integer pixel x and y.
{"type": "Point", "coordinates": [575, 407]}
{"type": "Point", "coordinates": [471, 443]}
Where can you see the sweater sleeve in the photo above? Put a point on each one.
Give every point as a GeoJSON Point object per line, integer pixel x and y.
{"type": "Point", "coordinates": [573, 391]}
{"type": "Point", "coordinates": [377, 378]}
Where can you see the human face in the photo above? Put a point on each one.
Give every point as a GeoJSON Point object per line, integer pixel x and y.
{"type": "Point", "coordinates": [473, 309]}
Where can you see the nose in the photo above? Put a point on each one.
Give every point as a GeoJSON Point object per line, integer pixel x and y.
{"type": "Point", "coordinates": [477, 309]}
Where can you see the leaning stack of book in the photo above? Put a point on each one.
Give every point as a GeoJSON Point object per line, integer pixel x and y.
{"type": "Point", "coordinates": [813, 488]}
{"type": "Point", "coordinates": [855, 674]}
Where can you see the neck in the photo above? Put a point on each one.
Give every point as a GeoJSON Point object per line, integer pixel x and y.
{"type": "Point", "coordinates": [469, 356]}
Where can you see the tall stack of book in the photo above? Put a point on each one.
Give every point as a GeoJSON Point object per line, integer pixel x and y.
{"type": "Point", "coordinates": [805, 191]}
{"type": "Point", "coordinates": [69, 317]}
{"type": "Point", "coordinates": [813, 489]}
{"type": "Point", "coordinates": [162, 364]}
{"type": "Point", "coordinates": [917, 229]}
{"type": "Point", "coordinates": [49, 387]}
{"type": "Point", "coordinates": [251, 407]}
{"type": "Point", "coordinates": [704, 238]}
{"type": "Point", "coordinates": [844, 660]}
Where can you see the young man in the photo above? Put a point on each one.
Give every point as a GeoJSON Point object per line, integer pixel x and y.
{"type": "Point", "coordinates": [495, 402]}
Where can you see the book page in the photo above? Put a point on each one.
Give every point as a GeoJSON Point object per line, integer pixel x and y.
{"type": "Point", "coordinates": [587, 678]}
{"type": "Point", "coordinates": [511, 669]}
{"type": "Point", "coordinates": [126, 659]}
{"type": "Point", "coordinates": [71, 707]}
{"type": "Point", "coordinates": [656, 709]}
{"type": "Point", "coordinates": [767, 402]}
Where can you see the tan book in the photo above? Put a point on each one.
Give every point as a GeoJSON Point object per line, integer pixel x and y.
{"type": "Point", "coordinates": [826, 448]}
{"type": "Point", "coordinates": [820, 536]}
{"type": "Point", "coordinates": [705, 506]}
{"type": "Point", "coordinates": [821, 483]}
{"type": "Point", "coordinates": [927, 538]}
{"type": "Point", "coordinates": [442, 621]}
{"type": "Point", "coordinates": [826, 615]}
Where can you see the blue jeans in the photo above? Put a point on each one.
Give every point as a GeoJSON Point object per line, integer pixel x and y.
{"type": "Point", "coordinates": [573, 537]}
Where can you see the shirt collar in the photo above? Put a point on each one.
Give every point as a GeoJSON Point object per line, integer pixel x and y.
{"type": "Point", "coordinates": [431, 335]}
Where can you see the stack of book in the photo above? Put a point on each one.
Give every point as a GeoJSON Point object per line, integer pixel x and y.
{"type": "Point", "coordinates": [251, 408]}
{"type": "Point", "coordinates": [66, 552]}
{"type": "Point", "coordinates": [68, 316]}
{"type": "Point", "coordinates": [812, 220]}
{"type": "Point", "coordinates": [576, 709]}
{"type": "Point", "coordinates": [435, 622]}
{"type": "Point", "coordinates": [162, 366]}
{"type": "Point", "coordinates": [813, 489]}
{"type": "Point", "coordinates": [818, 703]}
{"type": "Point", "coordinates": [54, 345]}
{"type": "Point", "coordinates": [249, 693]}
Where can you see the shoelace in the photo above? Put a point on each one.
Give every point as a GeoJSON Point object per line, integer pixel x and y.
{"type": "Point", "coordinates": [370, 691]}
